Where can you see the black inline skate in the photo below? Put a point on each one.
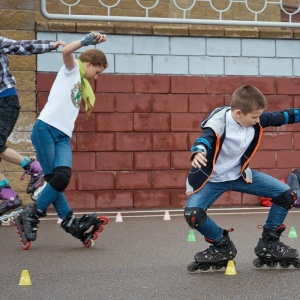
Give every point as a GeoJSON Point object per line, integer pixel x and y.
{"type": "Point", "coordinates": [216, 256]}
{"type": "Point", "coordinates": [271, 251]}
{"type": "Point", "coordinates": [27, 224]}
{"type": "Point", "coordinates": [85, 228]}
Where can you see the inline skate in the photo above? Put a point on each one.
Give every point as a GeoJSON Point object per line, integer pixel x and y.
{"type": "Point", "coordinates": [38, 191]}
{"type": "Point", "coordinates": [10, 201]}
{"type": "Point", "coordinates": [271, 251]}
{"type": "Point", "coordinates": [27, 224]}
{"type": "Point", "coordinates": [216, 256]}
{"type": "Point", "coordinates": [34, 170]}
{"type": "Point", "coordinates": [85, 228]}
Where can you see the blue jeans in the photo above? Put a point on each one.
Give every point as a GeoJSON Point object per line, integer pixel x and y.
{"type": "Point", "coordinates": [53, 148]}
{"type": "Point", "coordinates": [262, 185]}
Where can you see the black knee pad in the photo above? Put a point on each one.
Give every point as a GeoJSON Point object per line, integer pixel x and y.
{"type": "Point", "coordinates": [60, 178]}
{"type": "Point", "coordinates": [286, 199]}
{"type": "Point", "coordinates": [48, 177]}
{"type": "Point", "coordinates": [195, 216]}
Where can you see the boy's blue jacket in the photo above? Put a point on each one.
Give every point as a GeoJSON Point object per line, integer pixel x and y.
{"type": "Point", "coordinates": [213, 136]}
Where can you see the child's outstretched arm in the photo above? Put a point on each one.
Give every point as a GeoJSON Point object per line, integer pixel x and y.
{"type": "Point", "coordinates": [93, 38]}
{"type": "Point", "coordinates": [28, 47]}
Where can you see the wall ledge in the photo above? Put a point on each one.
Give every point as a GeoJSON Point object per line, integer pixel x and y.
{"type": "Point", "coordinates": [177, 30]}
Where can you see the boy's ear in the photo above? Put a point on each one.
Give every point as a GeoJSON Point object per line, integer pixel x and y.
{"type": "Point", "coordinates": [238, 113]}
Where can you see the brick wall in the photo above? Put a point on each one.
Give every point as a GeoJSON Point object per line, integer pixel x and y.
{"type": "Point", "coordinates": [133, 151]}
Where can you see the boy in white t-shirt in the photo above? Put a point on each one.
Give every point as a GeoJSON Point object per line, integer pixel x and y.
{"type": "Point", "coordinates": [220, 162]}
{"type": "Point", "coordinates": [52, 132]}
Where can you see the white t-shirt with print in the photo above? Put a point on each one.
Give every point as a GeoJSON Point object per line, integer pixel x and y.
{"type": "Point", "coordinates": [62, 107]}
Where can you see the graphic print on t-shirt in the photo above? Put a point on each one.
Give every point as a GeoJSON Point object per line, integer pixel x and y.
{"type": "Point", "coordinates": [76, 94]}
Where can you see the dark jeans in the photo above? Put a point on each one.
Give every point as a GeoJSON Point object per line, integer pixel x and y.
{"type": "Point", "coordinates": [9, 113]}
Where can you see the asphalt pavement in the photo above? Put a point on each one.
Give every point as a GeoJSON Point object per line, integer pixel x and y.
{"type": "Point", "coordinates": [144, 257]}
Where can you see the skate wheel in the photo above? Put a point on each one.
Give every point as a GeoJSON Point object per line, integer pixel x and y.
{"type": "Point", "coordinates": [217, 267]}
{"type": "Point", "coordinates": [204, 268]}
{"type": "Point", "coordinates": [257, 263]}
{"type": "Point", "coordinates": [20, 239]}
{"type": "Point", "coordinates": [284, 264]}
{"type": "Point", "coordinates": [95, 236]}
{"type": "Point", "coordinates": [296, 263]}
{"type": "Point", "coordinates": [101, 228]}
{"type": "Point", "coordinates": [88, 244]}
{"type": "Point", "coordinates": [272, 264]}
{"type": "Point", "coordinates": [103, 219]}
{"type": "Point", "coordinates": [192, 267]}
{"type": "Point", "coordinates": [17, 231]}
{"type": "Point", "coordinates": [26, 246]}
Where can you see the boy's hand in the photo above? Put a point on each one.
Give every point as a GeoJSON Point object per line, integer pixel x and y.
{"type": "Point", "coordinates": [93, 38]}
{"type": "Point", "coordinates": [199, 160]}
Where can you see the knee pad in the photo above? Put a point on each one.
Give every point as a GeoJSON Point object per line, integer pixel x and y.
{"type": "Point", "coordinates": [286, 199]}
{"type": "Point", "coordinates": [195, 216]}
{"type": "Point", "coordinates": [48, 177]}
{"type": "Point", "coordinates": [60, 178]}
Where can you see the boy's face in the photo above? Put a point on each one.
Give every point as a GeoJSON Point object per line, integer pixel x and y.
{"type": "Point", "coordinates": [249, 119]}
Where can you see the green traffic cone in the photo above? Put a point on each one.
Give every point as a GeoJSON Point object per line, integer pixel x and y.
{"type": "Point", "coordinates": [191, 236]}
{"type": "Point", "coordinates": [292, 233]}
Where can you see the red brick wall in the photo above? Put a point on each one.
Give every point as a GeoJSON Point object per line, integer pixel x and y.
{"type": "Point", "coordinates": [133, 151]}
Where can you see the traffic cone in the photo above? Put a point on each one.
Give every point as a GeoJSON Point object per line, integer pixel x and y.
{"type": "Point", "coordinates": [167, 216]}
{"type": "Point", "coordinates": [191, 236]}
{"type": "Point", "coordinates": [292, 233]}
{"type": "Point", "coordinates": [119, 217]}
{"type": "Point", "coordinates": [25, 278]}
{"type": "Point", "coordinates": [230, 269]}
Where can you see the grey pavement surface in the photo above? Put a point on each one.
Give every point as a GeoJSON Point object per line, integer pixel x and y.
{"type": "Point", "coordinates": [143, 257]}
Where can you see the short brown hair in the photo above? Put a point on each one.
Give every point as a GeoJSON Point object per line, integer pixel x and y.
{"type": "Point", "coordinates": [94, 56]}
{"type": "Point", "coordinates": [248, 98]}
